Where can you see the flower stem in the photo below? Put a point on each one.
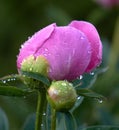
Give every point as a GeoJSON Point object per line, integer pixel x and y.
{"type": "Point", "coordinates": [53, 119]}
{"type": "Point", "coordinates": [39, 111]}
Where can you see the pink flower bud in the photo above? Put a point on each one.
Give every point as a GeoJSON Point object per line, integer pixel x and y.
{"type": "Point", "coordinates": [61, 95]}
{"type": "Point", "coordinates": [67, 49]}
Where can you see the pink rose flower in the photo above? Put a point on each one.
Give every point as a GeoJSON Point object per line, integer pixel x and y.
{"type": "Point", "coordinates": [70, 50]}
{"type": "Point", "coordinates": [108, 3]}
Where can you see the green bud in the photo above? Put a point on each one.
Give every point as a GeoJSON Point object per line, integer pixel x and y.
{"type": "Point", "coordinates": [37, 65]}
{"type": "Point", "coordinates": [61, 95]}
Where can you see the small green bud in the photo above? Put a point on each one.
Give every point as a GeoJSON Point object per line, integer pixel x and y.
{"type": "Point", "coordinates": [37, 65]}
{"type": "Point", "coordinates": [61, 95]}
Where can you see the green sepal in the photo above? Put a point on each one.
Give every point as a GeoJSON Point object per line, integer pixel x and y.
{"type": "Point", "coordinates": [37, 77]}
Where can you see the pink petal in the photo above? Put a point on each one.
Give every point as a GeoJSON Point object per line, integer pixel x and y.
{"type": "Point", "coordinates": [33, 44]}
{"type": "Point", "coordinates": [68, 52]}
{"type": "Point", "coordinates": [90, 31]}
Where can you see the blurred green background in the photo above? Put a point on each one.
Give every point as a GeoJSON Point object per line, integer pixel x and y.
{"type": "Point", "coordinates": [20, 19]}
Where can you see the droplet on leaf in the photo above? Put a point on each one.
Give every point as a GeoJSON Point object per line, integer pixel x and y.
{"type": "Point", "coordinates": [81, 77]}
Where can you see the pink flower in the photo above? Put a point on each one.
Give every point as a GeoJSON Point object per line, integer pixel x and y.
{"type": "Point", "coordinates": [70, 50]}
{"type": "Point", "coordinates": [108, 3]}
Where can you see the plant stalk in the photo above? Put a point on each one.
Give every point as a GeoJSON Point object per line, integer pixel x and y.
{"type": "Point", "coordinates": [40, 109]}
{"type": "Point", "coordinates": [53, 119]}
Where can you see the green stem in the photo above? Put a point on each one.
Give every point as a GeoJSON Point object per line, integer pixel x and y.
{"type": "Point", "coordinates": [53, 119]}
{"type": "Point", "coordinates": [40, 109]}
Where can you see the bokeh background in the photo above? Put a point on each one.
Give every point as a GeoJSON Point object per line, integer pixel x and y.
{"type": "Point", "coordinates": [21, 19]}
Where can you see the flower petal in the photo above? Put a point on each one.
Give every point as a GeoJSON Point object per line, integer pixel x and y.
{"type": "Point", "coordinates": [90, 31]}
{"type": "Point", "coordinates": [33, 44]}
{"type": "Point", "coordinates": [68, 52]}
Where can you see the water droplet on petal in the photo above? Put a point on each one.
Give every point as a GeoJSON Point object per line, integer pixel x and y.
{"type": "Point", "coordinates": [22, 46]}
{"type": "Point", "coordinates": [46, 49]}
{"type": "Point", "coordinates": [45, 55]}
{"type": "Point", "coordinates": [89, 52]}
{"type": "Point", "coordinates": [82, 37]}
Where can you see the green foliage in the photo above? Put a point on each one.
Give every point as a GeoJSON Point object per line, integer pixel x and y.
{"type": "Point", "coordinates": [30, 122]}
{"type": "Point", "coordinates": [4, 125]}
{"type": "Point", "coordinates": [102, 128]}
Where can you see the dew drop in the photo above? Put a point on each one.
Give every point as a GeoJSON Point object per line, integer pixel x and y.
{"type": "Point", "coordinates": [14, 79]}
{"type": "Point", "coordinates": [81, 77]}
{"type": "Point", "coordinates": [41, 125]}
{"type": "Point", "coordinates": [29, 38]}
{"type": "Point", "coordinates": [64, 84]}
{"type": "Point", "coordinates": [8, 80]}
{"type": "Point", "coordinates": [4, 81]}
{"type": "Point", "coordinates": [89, 52]}
{"type": "Point", "coordinates": [100, 101]}
{"type": "Point", "coordinates": [82, 38]}
{"type": "Point", "coordinates": [22, 46]}
{"type": "Point", "coordinates": [46, 49]}
{"type": "Point", "coordinates": [45, 55]}
{"type": "Point", "coordinates": [30, 69]}
{"type": "Point", "coordinates": [79, 97]}
{"type": "Point", "coordinates": [44, 114]}
{"type": "Point", "coordinates": [91, 73]}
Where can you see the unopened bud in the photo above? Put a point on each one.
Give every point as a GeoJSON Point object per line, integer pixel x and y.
{"type": "Point", "coordinates": [61, 95]}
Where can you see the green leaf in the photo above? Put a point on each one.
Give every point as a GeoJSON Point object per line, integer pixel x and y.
{"type": "Point", "coordinates": [87, 80]}
{"type": "Point", "coordinates": [4, 125]}
{"type": "Point", "coordinates": [102, 128]}
{"type": "Point", "coordinates": [65, 121]}
{"type": "Point", "coordinates": [12, 80]}
{"type": "Point", "coordinates": [30, 122]}
{"type": "Point", "coordinates": [13, 91]}
{"type": "Point", "coordinates": [69, 121]}
{"type": "Point", "coordinates": [37, 76]}
{"type": "Point", "coordinates": [89, 93]}
{"type": "Point", "coordinates": [12, 85]}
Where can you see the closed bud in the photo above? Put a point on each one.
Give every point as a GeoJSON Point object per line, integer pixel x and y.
{"type": "Point", "coordinates": [61, 95]}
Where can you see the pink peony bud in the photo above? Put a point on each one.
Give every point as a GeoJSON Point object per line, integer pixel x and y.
{"type": "Point", "coordinates": [61, 95]}
{"type": "Point", "coordinates": [96, 46]}
{"type": "Point", "coordinates": [67, 49]}
{"type": "Point", "coordinates": [108, 3]}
